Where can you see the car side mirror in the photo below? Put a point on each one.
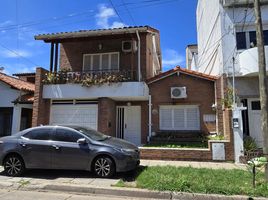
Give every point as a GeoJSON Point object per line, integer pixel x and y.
{"type": "Point", "coordinates": [82, 141]}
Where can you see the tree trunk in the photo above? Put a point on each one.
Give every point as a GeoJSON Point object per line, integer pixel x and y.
{"type": "Point", "coordinates": [262, 81]}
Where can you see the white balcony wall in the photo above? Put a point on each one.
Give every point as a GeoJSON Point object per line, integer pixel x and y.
{"type": "Point", "coordinates": [117, 91]}
{"type": "Point", "coordinates": [249, 61]}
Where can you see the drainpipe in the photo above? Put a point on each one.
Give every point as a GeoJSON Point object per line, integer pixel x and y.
{"type": "Point", "coordinates": [150, 119]}
{"type": "Point", "coordinates": [139, 56]}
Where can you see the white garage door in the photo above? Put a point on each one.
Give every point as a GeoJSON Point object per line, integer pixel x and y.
{"type": "Point", "coordinates": [83, 115]}
{"type": "Point", "coordinates": [179, 117]}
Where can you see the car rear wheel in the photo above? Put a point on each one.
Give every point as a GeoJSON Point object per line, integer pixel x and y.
{"type": "Point", "coordinates": [14, 165]}
{"type": "Point", "coordinates": [104, 167]}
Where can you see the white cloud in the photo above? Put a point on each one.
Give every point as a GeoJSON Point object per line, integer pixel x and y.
{"type": "Point", "coordinates": [3, 24]}
{"type": "Point", "coordinates": [117, 25]}
{"type": "Point", "coordinates": [6, 23]}
{"type": "Point", "coordinates": [104, 15]}
{"type": "Point", "coordinates": [172, 58]}
{"type": "Point", "coordinates": [19, 53]}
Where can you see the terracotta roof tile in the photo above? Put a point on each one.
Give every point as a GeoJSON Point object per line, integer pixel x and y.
{"type": "Point", "coordinates": [182, 70]}
{"type": "Point", "coordinates": [17, 83]}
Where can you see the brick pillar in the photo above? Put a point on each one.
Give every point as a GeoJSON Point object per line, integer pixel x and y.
{"type": "Point", "coordinates": [229, 134]}
{"type": "Point", "coordinates": [107, 116]}
{"type": "Point", "coordinates": [220, 85]}
{"type": "Point", "coordinates": [41, 107]}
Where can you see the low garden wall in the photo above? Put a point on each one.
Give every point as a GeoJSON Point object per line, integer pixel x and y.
{"type": "Point", "coordinates": [218, 150]}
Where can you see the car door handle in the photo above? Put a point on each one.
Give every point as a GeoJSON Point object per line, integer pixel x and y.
{"type": "Point", "coordinates": [23, 144]}
{"type": "Point", "coordinates": [56, 147]}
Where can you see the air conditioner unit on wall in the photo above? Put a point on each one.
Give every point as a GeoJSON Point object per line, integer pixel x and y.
{"type": "Point", "coordinates": [129, 46]}
{"type": "Point", "coordinates": [178, 92]}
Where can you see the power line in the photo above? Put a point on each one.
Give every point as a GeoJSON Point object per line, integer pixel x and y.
{"type": "Point", "coordinates": [141, 4]}
{"type": "Point", "coordinates": [111, 2]}
{"type": "Point", "coordinates": [129, 13]}
{"type": "Point", "coordinates": [16, 53]}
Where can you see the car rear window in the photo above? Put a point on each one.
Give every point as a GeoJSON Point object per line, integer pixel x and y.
{"type": "Point", "coordinates": [38, 134]}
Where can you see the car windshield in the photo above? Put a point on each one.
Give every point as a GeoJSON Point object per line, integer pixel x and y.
{"type": "Point", "coordinates": [93, 134]}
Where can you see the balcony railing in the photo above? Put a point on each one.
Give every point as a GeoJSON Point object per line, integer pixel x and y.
{"type": "Point", "coordinates": [88, 78]}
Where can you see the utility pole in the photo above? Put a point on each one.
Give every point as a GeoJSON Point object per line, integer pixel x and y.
{"type": "Point", "coordinates": [262, 80]}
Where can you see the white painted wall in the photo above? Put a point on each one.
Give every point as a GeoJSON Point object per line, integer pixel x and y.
{"type": "Point", "coordinates": [117, 91]}
{"type": "Point", "coordinates": [7, 95]}
{"type": "Point", "coordinates": [217, 46]}
{"type": "Point", "coordinates": [208, 32]}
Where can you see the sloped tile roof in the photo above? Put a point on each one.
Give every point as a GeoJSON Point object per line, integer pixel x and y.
{"type": "Point", "coordinates": [17, 83]}
{"type": "Point", "coordinates": [182, 70]}
{"type": "Point", "coordinates": [94, 32]}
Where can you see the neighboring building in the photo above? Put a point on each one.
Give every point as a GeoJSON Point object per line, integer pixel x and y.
{"type": "Point", "coordinates": [226, 39]}
{"type": "Point", "coordinates": [111, 80]}
{"type": "Point", "coordinates": [192, 56]}
{"type": "Point", "coordinates": [178, 104]}
{"type": "Point", "coordinates": [15, 104]}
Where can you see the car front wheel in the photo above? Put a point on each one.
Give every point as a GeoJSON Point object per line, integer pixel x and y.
{"type": "Point", "coordinates": [13, 165]}
{"type": "Point", "coordinates": [104, 167]}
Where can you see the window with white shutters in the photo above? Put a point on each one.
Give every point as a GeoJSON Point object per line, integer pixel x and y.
{"type": "Point", "coordinates": [179, 117]}
{"type": "Point", "coordinates": [101, 62]}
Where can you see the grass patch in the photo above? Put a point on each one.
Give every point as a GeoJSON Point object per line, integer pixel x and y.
{"type": "Point", "coordinates": [216, 137]}
{"type": "Point", "coordinates": [194, 180]}
{"type": "Point", "coordinates": [172, 145]}
{"type": "Point", "coordinates": [23, 183]}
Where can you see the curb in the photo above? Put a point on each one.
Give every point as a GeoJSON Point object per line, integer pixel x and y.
{"type": "Point", "coordinates": [143, 193]}
{"type": "Point", "coordinates": [140, 193]}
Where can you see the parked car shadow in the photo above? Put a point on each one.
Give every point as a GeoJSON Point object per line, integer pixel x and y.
{"type": "Point", "coordinates": [131, 175]}
{"type": "Point", "coordinates": [55, 174]}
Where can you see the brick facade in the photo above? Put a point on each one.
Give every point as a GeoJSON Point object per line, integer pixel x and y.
{"type": "Point", "coordinates": [72, 51]}
{"type": "Point", "coordinates": [41, 107]}
{"type": "Point", "coordinates": [221, 83]}
{"type": "Point", "coordinates": [199, 92]}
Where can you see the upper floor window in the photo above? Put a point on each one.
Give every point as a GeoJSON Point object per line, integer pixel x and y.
{"type": "Point", "coordinates": [241, 42]}
{"type": "Point", "coordinates": [246, 40]}
{"type": "Point", "coordinates": [101, 62]}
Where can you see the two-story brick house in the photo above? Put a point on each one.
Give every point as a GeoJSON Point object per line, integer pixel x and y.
{"type": "Point", "coordinates": [120, 109]}
{"type": "Point", "coordinates": [111, 80]}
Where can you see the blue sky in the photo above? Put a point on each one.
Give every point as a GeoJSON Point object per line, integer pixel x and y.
{"type": "Point", "coordinates": [20, 20]}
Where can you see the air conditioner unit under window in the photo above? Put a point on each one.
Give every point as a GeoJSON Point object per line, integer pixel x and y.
{"type": "Point", "coordinates": [178, 92]}
{"type": "Point", "coordinates": [129, 46]}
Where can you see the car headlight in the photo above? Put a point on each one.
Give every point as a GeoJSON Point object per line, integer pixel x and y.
{"type": "Point", "coordinates": [127, 151]}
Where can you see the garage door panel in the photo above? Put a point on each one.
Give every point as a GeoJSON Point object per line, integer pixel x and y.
{"type": "Point", "coordinates": [82, 115]}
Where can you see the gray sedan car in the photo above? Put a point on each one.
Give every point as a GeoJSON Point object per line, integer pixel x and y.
{"type": "Point", "coordinates": [66, 147]}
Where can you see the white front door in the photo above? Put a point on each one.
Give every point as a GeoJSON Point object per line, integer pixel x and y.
{"type": "Point", "coordinates": [254, 115]}
{"type": "Point", "coordinates": [129, 124]}
{"type": "Point", "coordinates": [80, 115]}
